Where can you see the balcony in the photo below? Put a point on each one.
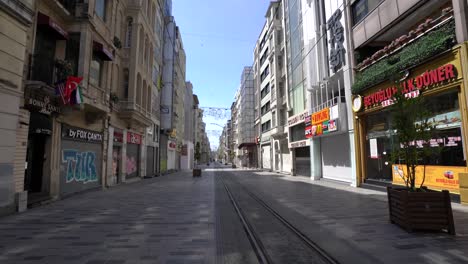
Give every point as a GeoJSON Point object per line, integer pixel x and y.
{"type": "Point", "coordinates": [134, 113]}
{"type": "Point", "coordinates": [278, 131]}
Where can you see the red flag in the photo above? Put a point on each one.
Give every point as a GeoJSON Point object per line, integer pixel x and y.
{"type": "Point", "coordinates": [72, 83]}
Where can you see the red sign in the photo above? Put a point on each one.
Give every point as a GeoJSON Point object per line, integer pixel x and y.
{"type": "Point", "coordinates": [308, 132]}
{"type": "Point", "coordinates": [427, 79]}
{"type": "Point", "coordinates": [133, 138]}
{"type": "Point", "coordinates": [118, 137]}
{"type": "Point", "coordinates": [171, 145]}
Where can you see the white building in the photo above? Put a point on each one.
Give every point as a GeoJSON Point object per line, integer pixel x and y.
{"type": "Point", "coordinates": [327, 75]}
{"type": "Point", "coordinates": [271, 107]}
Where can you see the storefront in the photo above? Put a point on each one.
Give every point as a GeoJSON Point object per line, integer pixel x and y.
{"type": "Point", "coordinates": [132, 159]}
{"type": "Point", "coordinates": [299, 144]}
{"type": "Point", "coordinates": [331, 150]}
{"type": "Point", "coordinates": [43, 107]}
{"type": "Point", "coordinates": [440, 82]}
{"type": "Point", "coordinates": [266, 152]}
{"type": "Point", "coordinates": [81, 163]}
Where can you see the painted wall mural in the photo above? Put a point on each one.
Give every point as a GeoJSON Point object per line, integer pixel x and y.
{"type": "Point", "coordinates": [81, 166]}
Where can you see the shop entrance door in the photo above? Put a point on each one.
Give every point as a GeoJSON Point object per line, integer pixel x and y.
{"type": "Point", "coordinates": [379, 165]}
{"type": "Point", "coordinates": [36, 180]}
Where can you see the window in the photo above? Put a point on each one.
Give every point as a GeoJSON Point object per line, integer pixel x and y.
{"type": "Point", "coordinates": [266, 126]}
{"type": "Point", "coordinates": [72, 53]}
{"type": "Point", "coordinates": [264, 40]}
{"type": "Point", "coordinates": [156, 133]}
{"type": "Point", "coordinates": [265, 108]}
{"type": "Point", "coordinates": [96, 70]}
{"type": "Point", "coordinates": [264, 56]}
{"type": "Point", "coordinates": [265, 73]}
{"type": "Point", "coordinates": [361, 8]}
{"type": "Point", "coordinates": [128, 36]}
{"type": "Point", "coordinates": [265, 90]}
{"type": "Point", "coordinates": [100, 9]}
{"type": "Point", "coordinates": [125, 82]}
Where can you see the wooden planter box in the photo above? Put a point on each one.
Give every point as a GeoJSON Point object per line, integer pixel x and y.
{"type": "Point", "coordinates": [429, 210]}
{"type": "Point", "coordinates": [196, 172]}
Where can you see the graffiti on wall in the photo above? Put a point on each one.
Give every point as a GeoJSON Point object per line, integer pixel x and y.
{"type": "Point", "coordinates": [81, 166]}
{"type": "Point", "coordinates": [131, 165]}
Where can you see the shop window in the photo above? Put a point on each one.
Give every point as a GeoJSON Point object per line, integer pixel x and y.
{"type": "Point", "coordinates": [96, 70]}
{"type": "Point", "coordinates": [297, 132]}
{"type": "Point", "coordinates": [447, 140]}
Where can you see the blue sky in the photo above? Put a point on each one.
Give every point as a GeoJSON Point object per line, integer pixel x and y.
{"type": "Point", "coordinates": [219, 37]}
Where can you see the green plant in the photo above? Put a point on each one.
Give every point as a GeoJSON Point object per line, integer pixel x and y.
{"type": "Point", "coordinates": [64, 69]}
{"type": "Point", "coordinates": [427, 46]}
{"type": "Point", "coordinates": [197, 151]}
{"type": "Point", "coordinates": [410, 121]}
{"type": "Point", "coordinates": [117, 43]}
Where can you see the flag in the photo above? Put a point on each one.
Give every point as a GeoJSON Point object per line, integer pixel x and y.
{"type": "Point", "coordinates": [60, 90]}
{"type": "Point", "coordinates": [77, 96]}
{"type": "Point", "coordinates": [70, 88]}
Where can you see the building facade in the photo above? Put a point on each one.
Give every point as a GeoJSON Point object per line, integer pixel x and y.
{"type": "Point", "coordinates": [425, 55]}
{"type": "Point", "coordinates": [15, 17]}
{"type": "Point", "coordinates": [270, 81]}
{"type": "Point", "coordinates": [82, 103]}
{"type": "Point", "coordinates": [172, 97]}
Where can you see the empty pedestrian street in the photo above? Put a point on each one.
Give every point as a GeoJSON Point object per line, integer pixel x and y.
{"type": "Point", "coordinates": [225, 216]}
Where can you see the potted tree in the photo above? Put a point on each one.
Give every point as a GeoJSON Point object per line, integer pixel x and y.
{"type": "Point", "coordinates": [415, 206]}
{"type": "Point", "coordinates": [197, 170]}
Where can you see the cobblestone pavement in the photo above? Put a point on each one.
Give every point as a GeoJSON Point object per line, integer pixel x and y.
{"type": "Point", "coordinates": [352, 223]}
{"type": "Point", "coordinates": [169, 219]}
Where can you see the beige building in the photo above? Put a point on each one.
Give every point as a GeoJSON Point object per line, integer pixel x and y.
{"type": "Point", "coordinates": [15, 19]}
{"type": "Point", "coordinates": [107, 131]}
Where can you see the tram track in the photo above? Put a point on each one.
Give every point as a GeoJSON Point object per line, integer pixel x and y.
{"type": "Point", "coordinates": [261, 245]}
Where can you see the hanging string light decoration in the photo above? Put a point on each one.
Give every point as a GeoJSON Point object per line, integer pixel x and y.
{"type": "Point", "coordinates": [216, 112]}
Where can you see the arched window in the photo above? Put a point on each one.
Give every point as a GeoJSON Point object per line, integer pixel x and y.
{"type": "Point", "coordinates": [128, 36]}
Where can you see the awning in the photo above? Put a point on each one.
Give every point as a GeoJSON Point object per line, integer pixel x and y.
{"type": "Point", "coordinates": [102, 52]}
{"type": "Point", "coordinates": [47, 22]}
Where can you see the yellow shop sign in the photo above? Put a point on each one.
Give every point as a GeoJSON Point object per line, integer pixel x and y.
{"type": "Point", "coordinates": [437, 177]}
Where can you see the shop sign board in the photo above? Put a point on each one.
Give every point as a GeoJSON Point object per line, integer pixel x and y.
{"type": "Point", "coordinates": [171, 145]}
{"type": "Point", "coordinates": [320, 123]}
{"type": "Point", "coordinates": [299, 144]}
{"type": "Point", "coordinates": [297, 119]}
{"type": "Point", "coordinates": [80, 134]}
{"type": "Point", "coordinates": [320, 116]}
{"type": "Point", "coordinates": [409, 87]}
{"type": "Point", "coordinates": [118, 137]}
{"type": "Point", "coordinates": [437, 177]}
{"type": "Point", "coordinates": [42, 103]}
{"type": "Point", "coordinates": [133, 138]}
